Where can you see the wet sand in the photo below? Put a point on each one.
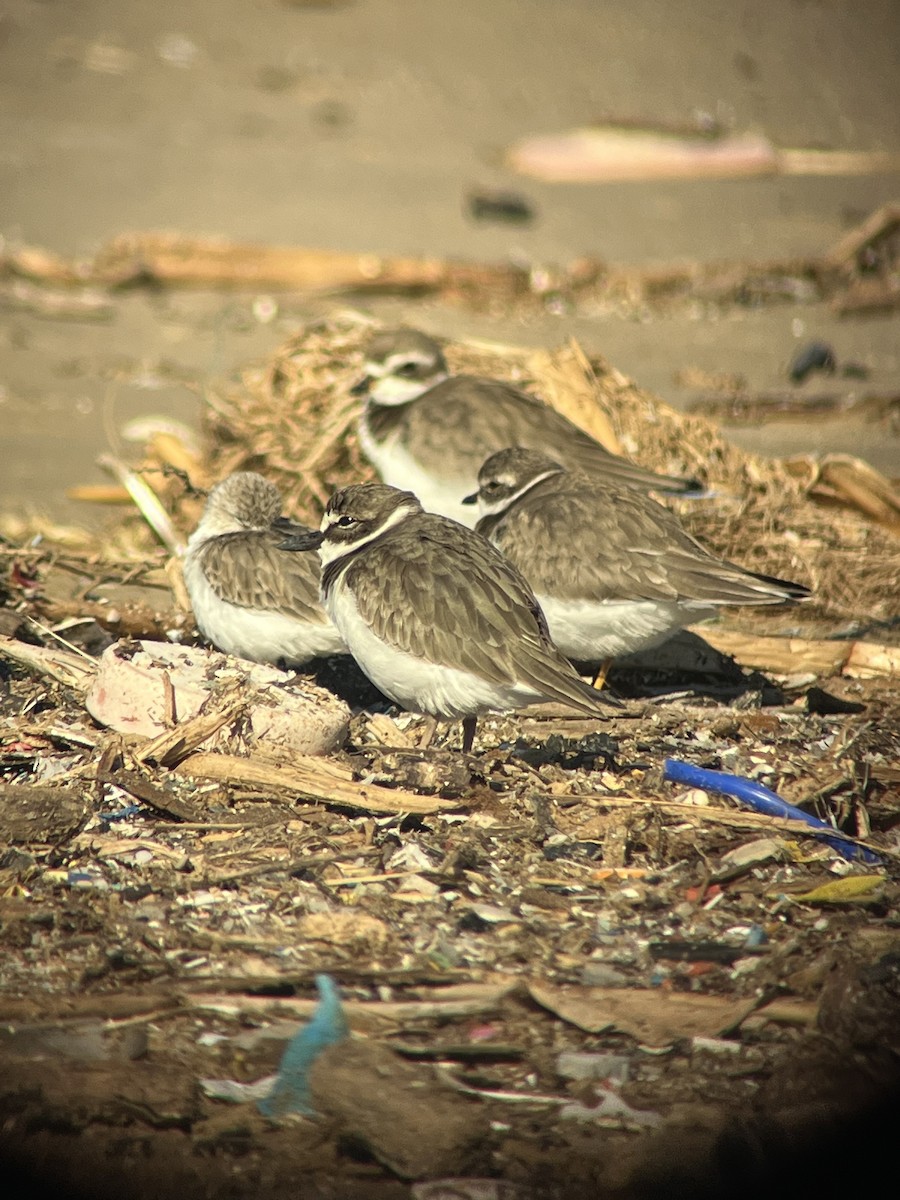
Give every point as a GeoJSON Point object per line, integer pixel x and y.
{"type": "Point", "coordinates": [363, 126]}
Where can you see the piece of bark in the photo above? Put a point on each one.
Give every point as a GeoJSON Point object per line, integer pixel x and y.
{"type": "Point", "coordinates": [214, 262]}
{"type": "Point", "coordinates": [444, 1004]}
{"type": "Point", "coordinates": [844, 479]}
{"type": "Point", "coordinates": [161, 800]}
{"type": "Point", "coordinates": [867, 295]}
{"type": "Point", "coordinates": [878, 226]}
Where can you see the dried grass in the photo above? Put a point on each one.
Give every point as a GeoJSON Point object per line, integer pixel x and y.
{"type": "Point", "coordinates": [294, 419]}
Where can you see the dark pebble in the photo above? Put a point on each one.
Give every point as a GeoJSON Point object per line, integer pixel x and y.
{"type": "Point", "coordinates": [816, 356]}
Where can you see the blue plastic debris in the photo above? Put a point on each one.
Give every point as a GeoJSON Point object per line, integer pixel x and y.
{"type": "Point", "coordinates": [762, 800]}
{"type": "Point", "coordinates": [756, 937]}
{"type": "Point", "coordinates": [122, 814]}
{"type": "Point", "coordinates": [290, 1093]}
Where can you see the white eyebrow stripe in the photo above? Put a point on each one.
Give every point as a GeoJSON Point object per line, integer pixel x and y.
{"type": "Point", "coordinates": [330, 551]}
{"type": "Point", "coordinates": [489, 510]}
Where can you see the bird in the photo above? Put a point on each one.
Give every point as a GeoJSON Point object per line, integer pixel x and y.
{"type": "Point", "coordinates": [429, 431]}
{"type": "Point", "coordinates": [613, 571]}
{"type": "Point", "coordinates": [248, 598]}
{"type": "Point", "coordinates": [434, 615]}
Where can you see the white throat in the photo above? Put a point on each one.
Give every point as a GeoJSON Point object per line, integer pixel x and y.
{"type": "Point", "coordinates": [388, 391]}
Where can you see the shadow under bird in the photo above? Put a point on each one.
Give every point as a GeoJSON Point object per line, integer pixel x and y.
{"type": "Point", "coordinates": [436, 617]}
{"type": "Point", "coordinates": [613, 571]}
{"type": "Point", "coordinates": [429, 431]}
{"type": "Point", "coordinates": [248, 598]}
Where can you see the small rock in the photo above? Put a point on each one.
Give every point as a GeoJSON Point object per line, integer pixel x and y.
{"type": "Point", "coordinates": [505, 206]}
{"type": "Point", "coordinates": [815, 356]}
{"type": "Point", "coordinates": [600, 974]}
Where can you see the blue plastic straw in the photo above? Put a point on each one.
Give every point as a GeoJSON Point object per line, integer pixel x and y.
{"type": "Point", "coordinates": [762, 800]}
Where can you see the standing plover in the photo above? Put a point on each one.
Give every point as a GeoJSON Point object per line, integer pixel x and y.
{"type": "Point", "coordinates": [428, 431]}
{"type": "Point", "coordinates": [436, 617]}
{"type": "Point", "coordinates": [613, 571]}
{"type": "Point", "coordinates": [248, 598]}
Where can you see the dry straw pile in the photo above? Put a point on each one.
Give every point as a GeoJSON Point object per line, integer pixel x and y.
{"type": "Point", "coordinates": [294, 419]}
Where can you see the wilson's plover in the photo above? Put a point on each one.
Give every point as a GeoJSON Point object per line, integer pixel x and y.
{"type": "Point", "coordinates": [436, 617]}
{"type": "Point", "coordinates": [428, 431]}
{"type": "Point", "coordinates": [250, 599]}
{"type": "Point", "coordinates": [613, 571]}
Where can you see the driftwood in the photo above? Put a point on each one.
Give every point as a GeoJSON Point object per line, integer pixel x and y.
{"type": "Point", "coordinates": [793, 656]}
{"type": "Point", "coordinates": [64, 666]}
{"type": "Point", "coordinates": [444, 1004]}
{"type": "Point", "coordinates": [611, 153]}
{"type": "Point", "coordinates": [179, 260]}
{"type": "Point", "coordinates": [310, 779]}
{"type": "Point", "coordinates": [844, 480]}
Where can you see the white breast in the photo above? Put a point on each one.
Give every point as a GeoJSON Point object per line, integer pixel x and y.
{"type": "Point", "coordinates": [254, 633]}
{"type": "Point", "coordinates": [589, 631]}
{"type": "Point", "coordinates": [398, 468]}
{"type": "Point", "coordinates": [417, 685]}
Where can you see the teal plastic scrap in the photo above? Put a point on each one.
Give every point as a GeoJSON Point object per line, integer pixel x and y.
{"type": "Point", "coordinates": [291, 1092]}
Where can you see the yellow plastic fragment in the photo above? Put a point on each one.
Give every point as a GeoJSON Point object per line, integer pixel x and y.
{"type": "Point", "coordinates": [852, 889]}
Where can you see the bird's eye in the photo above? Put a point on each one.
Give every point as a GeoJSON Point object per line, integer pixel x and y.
{"type": "Point", "coordinates": [345, 522]}
{"type": "Point", "coordinates": [492, 486]}
{"type": "Point", "coordinates": [408, 370]}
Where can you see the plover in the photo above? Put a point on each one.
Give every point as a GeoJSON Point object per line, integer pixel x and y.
{"type": "Point", "coordinates": [613, 571]}
{"type": "Point", "coordinates": [248, 598]}
{"type": "Point", "coordinates": [436, 617]}
{"type": "Point", "coordinates": [429, 431]}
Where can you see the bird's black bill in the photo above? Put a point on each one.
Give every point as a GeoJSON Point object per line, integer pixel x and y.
{"type": "Point", "coordinates": [673, 485]}
{"type": "Point", "coordinates": [473, 499]}
{"type": "Point", "coordinates": [310, 539]}
{"type": "Point", "coordinates": [361, 387]}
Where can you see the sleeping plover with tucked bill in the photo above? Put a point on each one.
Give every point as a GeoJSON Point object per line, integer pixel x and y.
{"type": "Point", "coordinates": [613, 571]}
{"type": "Point", "coordinates": [433, 614]}
{"type": "Point", "coordinates": [429, 431]}
{"type": "Point", "coordinates": [250, 599]}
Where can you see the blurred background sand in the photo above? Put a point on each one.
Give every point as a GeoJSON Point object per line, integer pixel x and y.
{"type": "Point", "coordinates": [363, 126]}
